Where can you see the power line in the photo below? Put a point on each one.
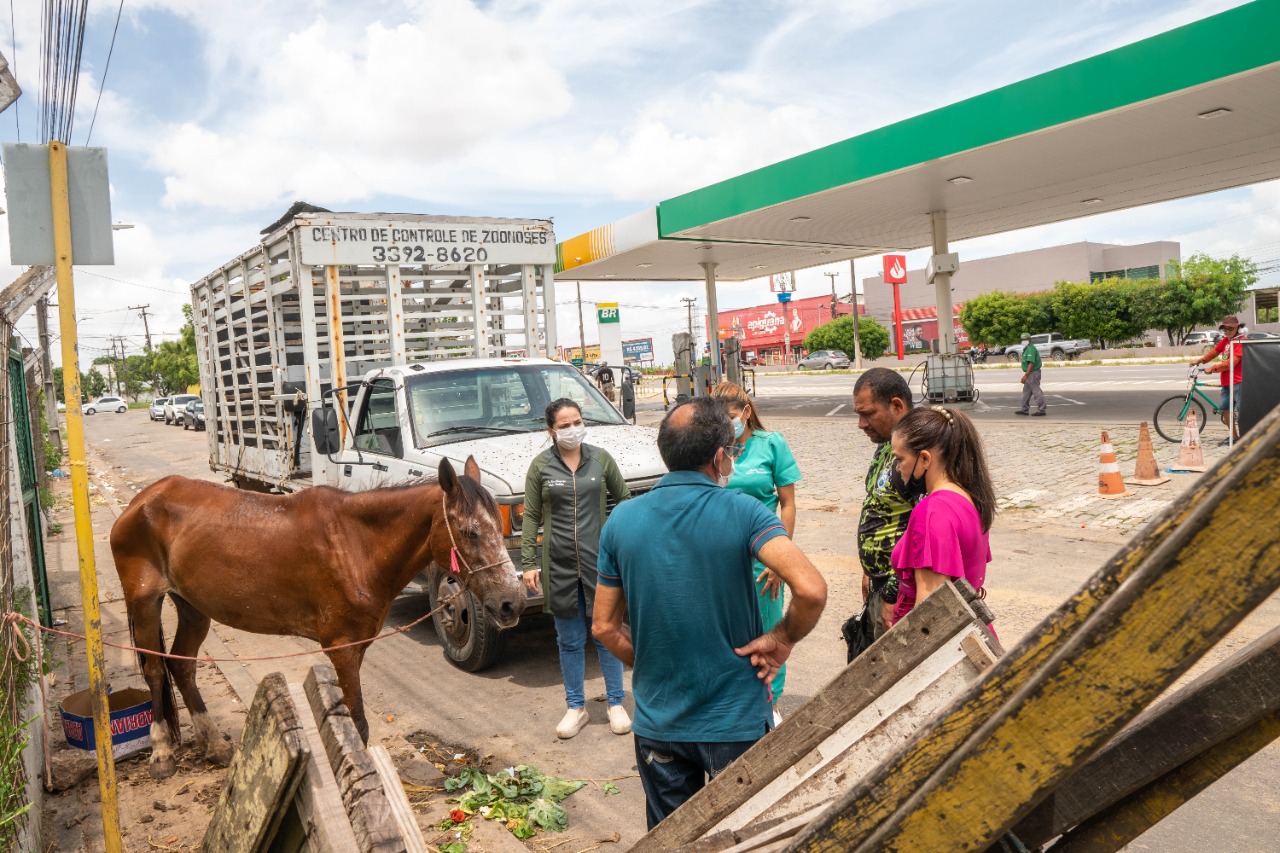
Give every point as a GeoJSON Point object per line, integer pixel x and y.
{"type": "Point", "coordinates": [105, 68]}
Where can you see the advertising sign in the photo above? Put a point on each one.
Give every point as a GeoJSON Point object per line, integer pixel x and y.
{"type": "Point", "coordinates": [766, 326]}
{"type": "Point", "coordinates": [895, 269]}
{"type": "Point", "coordinates": [783, 282]}
{"type": "Point", "coordinates": [607, 312]}
{"type": "Point", "coordinates": [641, 350]}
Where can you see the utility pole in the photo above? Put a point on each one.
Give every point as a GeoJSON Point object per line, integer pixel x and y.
{"type": "Point", "coordinates": [833, 276]}
{"type": "Point", "coordinates": [122, 372]}
{"type": "Point", "coordinates": [582, 335]}
{"type": "Point", "coordinates": [46, 368]}
{"type": "Point", "coordinates": [146, 326]}
{"type": "Point", "coordinates": [857, 318]}
{"type": "Point", "coordinates": [689, 302]}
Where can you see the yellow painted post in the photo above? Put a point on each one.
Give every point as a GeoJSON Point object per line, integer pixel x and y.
{"type": "Point", "coordinates": [80, 495]}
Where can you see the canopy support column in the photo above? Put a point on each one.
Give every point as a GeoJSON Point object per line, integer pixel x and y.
{"type": "Point", "coordinates": [713, 322]}
{"type": "Point", "coordinates": [942, 286]}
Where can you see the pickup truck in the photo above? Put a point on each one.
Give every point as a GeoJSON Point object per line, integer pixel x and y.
{"type": "Point", "coordinates": [356, 350]}
{"type": "Point", "coordinates": [1052, 345]}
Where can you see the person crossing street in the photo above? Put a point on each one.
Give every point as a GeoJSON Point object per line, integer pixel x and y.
{"type": "Point", "coordinates": [1031, 379]}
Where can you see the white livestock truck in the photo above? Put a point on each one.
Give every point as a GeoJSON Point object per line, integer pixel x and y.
{"type": "Point", "coordinates": [357, 350]}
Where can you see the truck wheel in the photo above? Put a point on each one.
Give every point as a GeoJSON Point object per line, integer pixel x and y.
{"type": "Point", "coordinates": [1058, 353]}
{"type": "Point", "coordinates": [1014, 356]}
{"type": "Point", "coordinates": [470, 641]}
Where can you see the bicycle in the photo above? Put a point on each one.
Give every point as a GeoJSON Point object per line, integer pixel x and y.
{"type": "Point", "coordinates": [1171, 414]}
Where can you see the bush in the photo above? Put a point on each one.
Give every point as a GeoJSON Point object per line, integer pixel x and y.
{"type": "Point", "coordinates": [873, 339]}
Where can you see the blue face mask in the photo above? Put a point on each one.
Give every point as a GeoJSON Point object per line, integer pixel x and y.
{"type": "Point", "coordinates": [738, 427]}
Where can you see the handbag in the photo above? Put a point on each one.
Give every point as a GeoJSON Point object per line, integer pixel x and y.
{"type": "Point", "coordinates": [857, 632]}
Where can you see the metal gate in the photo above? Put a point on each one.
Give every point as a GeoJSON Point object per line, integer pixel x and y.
{"type": "Point", "coordinates": [29, 478]}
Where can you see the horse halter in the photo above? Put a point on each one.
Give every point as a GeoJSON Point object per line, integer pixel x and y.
{"type": "Point", "coordinates": [455, 556]}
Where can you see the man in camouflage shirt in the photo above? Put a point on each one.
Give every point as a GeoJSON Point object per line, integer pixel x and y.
{"type": "Point", "coordinates": [881, 398]}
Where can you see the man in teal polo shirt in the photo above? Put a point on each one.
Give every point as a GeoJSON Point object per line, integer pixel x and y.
{"type": "Point", "coordinates": [679, 561]}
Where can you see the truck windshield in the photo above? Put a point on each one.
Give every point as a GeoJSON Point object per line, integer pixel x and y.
{"type": "Point", "coordinates": [458, 405]}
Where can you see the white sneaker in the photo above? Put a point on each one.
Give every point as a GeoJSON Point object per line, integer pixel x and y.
{"type": "Point", "coordinates": [619, 722]}
{"type": "Point", "coordinates": [574, 720]}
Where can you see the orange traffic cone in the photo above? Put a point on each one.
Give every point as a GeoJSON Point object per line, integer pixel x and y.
{"type": "Point", "coordinates": [1147, 472]}
{"type": "Point", "coordinates": [1110, 484]}
{"type": "Point", "coordinates": [1190, 456]}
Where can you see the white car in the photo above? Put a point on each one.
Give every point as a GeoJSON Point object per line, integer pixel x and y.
{"type": "Point", "coordinates": [173, 408]}
{"type": "Point", "coordinates": [106, 404]}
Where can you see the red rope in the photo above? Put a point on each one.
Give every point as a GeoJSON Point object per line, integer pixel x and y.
{"type": "Point", "coordinates": [12, 620]}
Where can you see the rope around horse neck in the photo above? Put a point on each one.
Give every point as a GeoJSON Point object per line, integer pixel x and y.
{"type": "Point", "coordinates": [11, 620]}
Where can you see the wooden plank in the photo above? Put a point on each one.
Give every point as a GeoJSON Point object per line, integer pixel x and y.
{"type": "Point", "coordinates": [319, 804]}
{"type": "Point", "coordinates": [1114, 828]}
{"type": "Point", "coordinates": [834, 752]}
{"type": "Point", "coordinates": [877, 796]}
{"type": "Point", "coordinates": [1215, 707]}
{"type": "Point", "coordinates": [372, 818]}
{"type": "Point", "coordinates": [924, 630]}
{"type": "Point", "coordinates": [399, 802]}
{"type": "Point", "coordinates": [879, 743]}
{"type": "Point", "coordinates": [757, 833]}
{"type": "Point", "coordinates": [263, 775]}
{"type": "Point", "coordinates": [1179, 601]}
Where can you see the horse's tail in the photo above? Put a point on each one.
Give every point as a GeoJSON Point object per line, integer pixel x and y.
{"type": "Point", "coordinates": [168, 710]}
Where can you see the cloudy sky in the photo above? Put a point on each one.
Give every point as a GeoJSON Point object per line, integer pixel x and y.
{"type": "Point", "coordinates": [218, 114]}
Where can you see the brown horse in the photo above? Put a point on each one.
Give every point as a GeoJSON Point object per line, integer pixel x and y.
{"type": "Point", "coordinates": [321, 564]}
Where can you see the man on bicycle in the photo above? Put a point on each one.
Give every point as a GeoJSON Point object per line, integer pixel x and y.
{"type": "Point", "coordinates": [1231, 379]}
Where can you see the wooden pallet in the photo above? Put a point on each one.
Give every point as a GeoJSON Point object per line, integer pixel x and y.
{"type": "Point", "coordinates": [304, 782]}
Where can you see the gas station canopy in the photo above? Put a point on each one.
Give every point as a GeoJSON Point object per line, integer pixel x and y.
{"type": "Point", "coordinates": [1186, 112]}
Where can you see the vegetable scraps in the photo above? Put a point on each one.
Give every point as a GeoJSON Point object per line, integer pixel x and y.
{"type": "Point", "coordinates": [521, 797]}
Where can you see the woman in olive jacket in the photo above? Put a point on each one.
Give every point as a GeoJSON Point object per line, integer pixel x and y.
{"type": "Point", "coordinates": [565, 492]}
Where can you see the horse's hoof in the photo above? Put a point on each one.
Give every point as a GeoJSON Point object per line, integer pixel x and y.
{"type": "Point", "coordinates": [163, 768]}
{"type": "Point", "coordinates": [220, 752]}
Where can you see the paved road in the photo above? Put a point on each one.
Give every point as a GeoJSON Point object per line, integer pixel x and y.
{"type": "Point", "coordinates": [1044, 550]}
{"type": "Point", "coordinates": [1104, 394]}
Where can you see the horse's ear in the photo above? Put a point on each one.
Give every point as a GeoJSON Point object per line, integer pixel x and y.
{"type": "Point", "coordinates": [446, 477]}
{"type": "Point", "coordinates": [472, 468]}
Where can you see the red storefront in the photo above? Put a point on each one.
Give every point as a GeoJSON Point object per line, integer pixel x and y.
{"type": "Point", "coordinates": [920, 328]}
{"type": "Point", "coordinates": [767, 331]}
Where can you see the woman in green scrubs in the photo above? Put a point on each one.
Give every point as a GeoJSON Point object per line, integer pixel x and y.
{"type": "Point", "coordinates": [766, 471]}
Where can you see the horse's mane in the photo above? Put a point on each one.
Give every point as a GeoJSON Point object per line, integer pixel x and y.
{"type": "Point", "coordinates": [474, 495]}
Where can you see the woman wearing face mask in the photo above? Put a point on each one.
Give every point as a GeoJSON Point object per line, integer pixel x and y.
{"type": "Point", "coordinates": [565, 493]}
{"type": "Point", "coordinates": [767, 471]}
{"type": "Point", "coordinates": [940, 456]}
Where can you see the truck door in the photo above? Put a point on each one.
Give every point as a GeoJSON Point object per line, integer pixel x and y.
{"type": "Point", "coordinates": [379, 439]}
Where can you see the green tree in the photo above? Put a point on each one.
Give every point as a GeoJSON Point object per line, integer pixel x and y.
{"type": "Point", "coordinates": [1099, 311]}
{"type": "Point", "coordinates": [93, 384]}
{"type": "Point", "coordinates": [999, 318]}
{"type": "Point", "coordinates": [873, 339]}
{"type": "Point", "coordinates": [1199, 291]}
{"type": "Point", "coordinates": [175, 361]}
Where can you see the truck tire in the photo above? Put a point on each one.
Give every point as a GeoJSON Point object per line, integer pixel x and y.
{"type": "Point", "coordinates": [470, 641]}
{"type": "Point", "coordinates": [1058, 353]}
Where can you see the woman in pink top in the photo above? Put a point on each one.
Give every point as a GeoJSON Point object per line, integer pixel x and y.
{"type": "Point", "coordinates": [939, 455]}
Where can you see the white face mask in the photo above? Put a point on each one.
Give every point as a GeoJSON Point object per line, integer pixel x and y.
{"type": "Point", "coordinates": [571, 438]}
{"type": "Point", "coordinates": [722, 480]}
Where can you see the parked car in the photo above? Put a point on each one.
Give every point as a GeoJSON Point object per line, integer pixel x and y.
{"type": "Point", "coordinates": [752, 360]}
{"type": "Point", "coordinates": [1201, 338]}
{"type": "Point", "coordinates": [1051, 345]}
{"type": "Point", "coordinates": [173, 408]}
{"type": "Point", "coordinates": [156, 411]}
{"type": "Point", "coordinates": [193, 415]}
{"type": "Point", "coordinates": [1261, 336]}
{"type": "Point", "coordinates": [106, 404]}
{"type": "Point", "coordinates": [824, 359]}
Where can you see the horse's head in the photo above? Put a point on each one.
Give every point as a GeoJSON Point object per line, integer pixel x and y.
{"type": "Point", "coordinates": [470, 544]}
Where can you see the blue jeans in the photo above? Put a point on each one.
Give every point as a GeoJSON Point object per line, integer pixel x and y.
{"type": "Point", "coordinates": [1228, 395]}
{"type": "Point", "coordinates": [671, 772]}
{"type": "Point", "coordinates": [571, 637]}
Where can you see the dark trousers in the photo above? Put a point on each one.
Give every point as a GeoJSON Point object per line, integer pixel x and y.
{"type": "Point", "coordinates": [672, 772]}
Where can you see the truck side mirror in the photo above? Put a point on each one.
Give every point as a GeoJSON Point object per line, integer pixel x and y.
{"type": "Point", "coordinates": [325, 431]}
{"type": "Point", "coordinates": [628, 400]}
